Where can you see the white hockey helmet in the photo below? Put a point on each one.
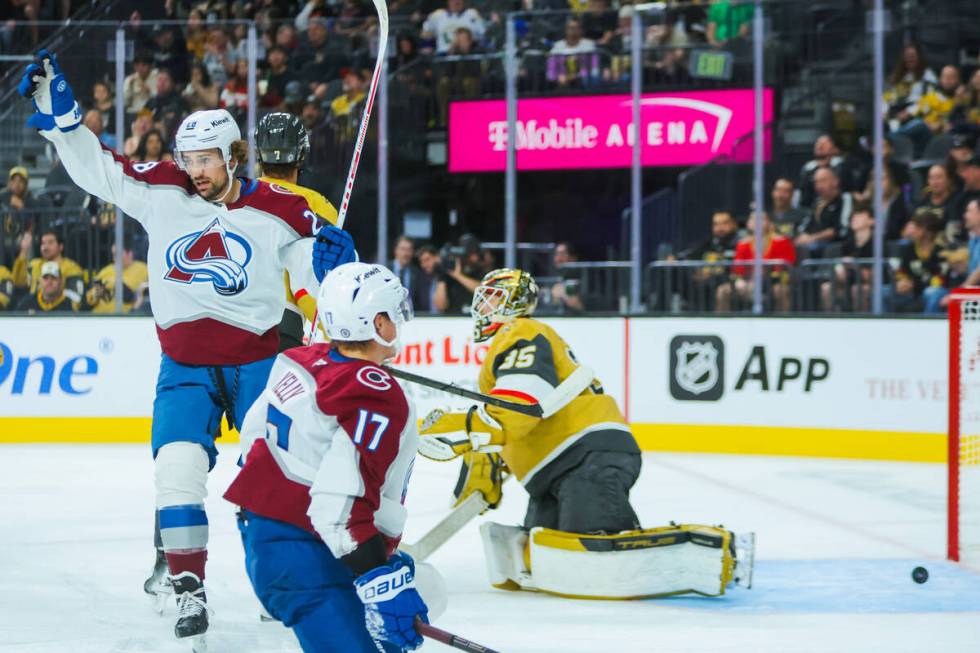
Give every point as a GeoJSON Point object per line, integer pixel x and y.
{"type": "Point", "coordinates": [205, 130]}
{"type": "Point", "coordinates": [352, 294]}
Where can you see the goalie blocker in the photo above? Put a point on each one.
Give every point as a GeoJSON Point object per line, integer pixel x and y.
{"type": "Point", "coordinates": [647, 563]}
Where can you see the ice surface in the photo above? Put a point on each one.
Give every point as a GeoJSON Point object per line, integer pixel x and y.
{"type": "Point", "coordinates": [837, 542]}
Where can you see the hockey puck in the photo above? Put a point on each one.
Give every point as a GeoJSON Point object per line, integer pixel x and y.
{"type": "Point", "coordinates": [920, 575]}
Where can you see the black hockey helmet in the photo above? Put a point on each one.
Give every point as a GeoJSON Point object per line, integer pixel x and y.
{"type": "Point", "coordinates": [281, 139]}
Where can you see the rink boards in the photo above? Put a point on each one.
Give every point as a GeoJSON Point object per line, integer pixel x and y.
{"type": "Point", "coordinates": [853, 388]}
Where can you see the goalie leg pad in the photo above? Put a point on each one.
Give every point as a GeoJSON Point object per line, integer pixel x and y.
{"type": "Point", "coordinates": [645, 563]}
{"type": "Point", "coordinates": [505, 549]}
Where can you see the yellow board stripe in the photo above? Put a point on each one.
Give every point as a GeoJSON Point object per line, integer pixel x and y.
{"type": "Point", "coordinates": [83, 430]}
{"type": "Point", "coordinates": [792, 441]}
{"type": "Point", "coordinates": [686, 438]}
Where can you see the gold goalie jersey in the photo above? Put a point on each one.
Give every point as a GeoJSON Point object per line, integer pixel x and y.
{"type": "Point", "coordinates": [526, 361]}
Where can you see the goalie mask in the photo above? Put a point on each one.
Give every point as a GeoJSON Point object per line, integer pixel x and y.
{"type": "Point", "coordinates": [352, 294]}
{"type": "Point", "coordinates": [501, 297]}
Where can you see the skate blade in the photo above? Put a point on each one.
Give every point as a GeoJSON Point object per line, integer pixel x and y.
{"type": "Point", "coordinates": [267, 618]}
{"type": "Point", "coordinates": [158, 602]}
{"type": "Point", "coordinates": [198, 644]}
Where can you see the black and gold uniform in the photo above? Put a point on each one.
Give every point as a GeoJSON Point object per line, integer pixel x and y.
{"type": "Point", "coordinates": [281, 144]}
{"type": "Point", "coordinates": [579, 464]}
{"type": "Point", "coordinates": [304, 306]}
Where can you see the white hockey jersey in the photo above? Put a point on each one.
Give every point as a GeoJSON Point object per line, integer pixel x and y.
{"type": "Point", "coordinates": [216, 270]}
{"type": "Point", "coordinates": [329, 447]}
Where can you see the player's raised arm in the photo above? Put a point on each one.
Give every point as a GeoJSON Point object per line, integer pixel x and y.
{"type": "Point", "coordinates": [94, 168]}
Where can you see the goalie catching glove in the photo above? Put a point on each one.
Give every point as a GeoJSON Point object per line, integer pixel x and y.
{"type": "Point", "coordinates": [447, 434]}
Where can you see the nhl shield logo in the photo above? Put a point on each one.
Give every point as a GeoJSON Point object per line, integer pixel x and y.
{"type": "Point", "coordinates": [213, 255]}
{"type": "Point", "coordinates": [697, 368]}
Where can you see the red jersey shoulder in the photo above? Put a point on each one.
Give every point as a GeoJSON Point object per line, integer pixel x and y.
{"type": "Point", "coordinates": [285, 205]}
{"type": "Point", "coordinates": [307, 357]}
{"type": "Point", "coordinates": [339, 384]}
{"type": "Point", "coordinates": [154, 173]}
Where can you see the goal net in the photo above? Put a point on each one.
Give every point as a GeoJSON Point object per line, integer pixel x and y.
{"type": "Point", "coordinates": [963, 518]}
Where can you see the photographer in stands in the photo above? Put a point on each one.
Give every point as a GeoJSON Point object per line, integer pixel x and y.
{"type": "Point", "coordinates": [462, 267]}
{"type": "Point", "coordinates": [566, 295]}
{"type": "Point", "coordinates": [433, 294]}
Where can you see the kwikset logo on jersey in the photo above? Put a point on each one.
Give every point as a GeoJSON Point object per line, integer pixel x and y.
{"type": "Point", "coordinates": [697, 368]}
{"type": "Point", "coordinates": [213, 255]}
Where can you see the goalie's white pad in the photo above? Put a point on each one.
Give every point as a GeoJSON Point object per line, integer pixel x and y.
{"type": "Point", "coordinates": [432, 588]}
{"type": "Point", "coordinates": [646, 563]}
{"type": "Point", "coordinates": [505, 549]}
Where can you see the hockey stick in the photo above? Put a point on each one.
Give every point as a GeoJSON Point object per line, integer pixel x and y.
{"type": "Point", "coordinates": [451, 524]}
{"type": "Point", "coordinates": [534, 410]}
{"type": "Point", "coordinates": [567, 390]}
{"type": "Point", "coordinates": [382, 10]}
{"type": "Point", "coordinates": [457, 642]}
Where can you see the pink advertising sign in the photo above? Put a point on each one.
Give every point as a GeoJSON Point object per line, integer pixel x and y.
{"type": "Point", "coordinates": [678, 129]}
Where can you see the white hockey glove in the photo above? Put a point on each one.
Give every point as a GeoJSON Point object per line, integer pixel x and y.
{"type": "Point", "coordinates": [447, 434]}
{"type": "Point", "coordinates": [54, 101]}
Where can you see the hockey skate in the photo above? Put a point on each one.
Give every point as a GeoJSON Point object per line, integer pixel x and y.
{"type": "Point", "coordinates": [158, 586]}
{"type": "Point", "coordinates": [744, 559]}
{"type": "Point", "coordinates": [192, 610]}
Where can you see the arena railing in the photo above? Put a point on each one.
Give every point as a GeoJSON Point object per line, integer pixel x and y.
{"type": "Point", "coordinates": [693, 286]}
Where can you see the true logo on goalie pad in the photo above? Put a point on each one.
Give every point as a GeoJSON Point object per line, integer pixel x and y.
{"type": "Point", "coordinates": [697, 368]}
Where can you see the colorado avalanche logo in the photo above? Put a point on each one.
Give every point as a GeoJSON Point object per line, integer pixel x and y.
{"type": "Point", "coordinates": [214, 256]}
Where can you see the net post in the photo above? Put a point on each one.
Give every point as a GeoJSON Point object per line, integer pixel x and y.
{"type": "Point", "coordinates": [953, 432]}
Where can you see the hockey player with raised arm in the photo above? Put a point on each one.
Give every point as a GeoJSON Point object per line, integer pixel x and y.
{"type": "Point", "coordinates": [577, 462]}
{"type": "Point", "coordinates": [328, 449]}
{"type": "Point", "coordinates": [218, 249]}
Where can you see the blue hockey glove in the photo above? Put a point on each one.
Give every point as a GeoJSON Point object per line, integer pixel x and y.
{"type": "Point", "coordinates": [391, 602]}
{"type": "Point", "coordinates": [331, 248]}
{"type": "Point", "coordinates": [54, 101]}
{"type": "Point", "coordinates": [29, 87]}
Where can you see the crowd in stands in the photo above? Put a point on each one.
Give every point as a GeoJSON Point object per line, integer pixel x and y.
{"type": "Point", "coordinates": [826, 217]}
{"type": "Point", "coordinates": [314, 59]}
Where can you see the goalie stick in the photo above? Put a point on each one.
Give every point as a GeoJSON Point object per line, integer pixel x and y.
{"type": "Point", "coordinates": [557, 399]}
{"type": "Point", "coordinates": [382, 10]}
{"type": "Point", "coordinates": [457, 642]}
{"type": "Point", "coordinates": [473, 505]}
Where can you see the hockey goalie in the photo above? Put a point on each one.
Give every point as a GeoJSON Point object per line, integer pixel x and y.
{"type": "Point", "coordinates": [580, 537]}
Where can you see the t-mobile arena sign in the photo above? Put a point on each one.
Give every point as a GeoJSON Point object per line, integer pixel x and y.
{"type": "Point", "coordinates": [678, 129]}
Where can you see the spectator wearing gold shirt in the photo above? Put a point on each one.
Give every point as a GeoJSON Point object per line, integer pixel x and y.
{"type": "Point", "coordinates": [27, 271]}
{"type": "Point", "coordinates": [100, 296]}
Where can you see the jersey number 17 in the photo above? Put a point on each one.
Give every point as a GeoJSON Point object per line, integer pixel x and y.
{"type": "Point", "coordinates": [278, 425]}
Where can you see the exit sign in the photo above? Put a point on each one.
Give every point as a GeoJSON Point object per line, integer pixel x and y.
{"type": "Point", "coordinates": [711, 64]}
